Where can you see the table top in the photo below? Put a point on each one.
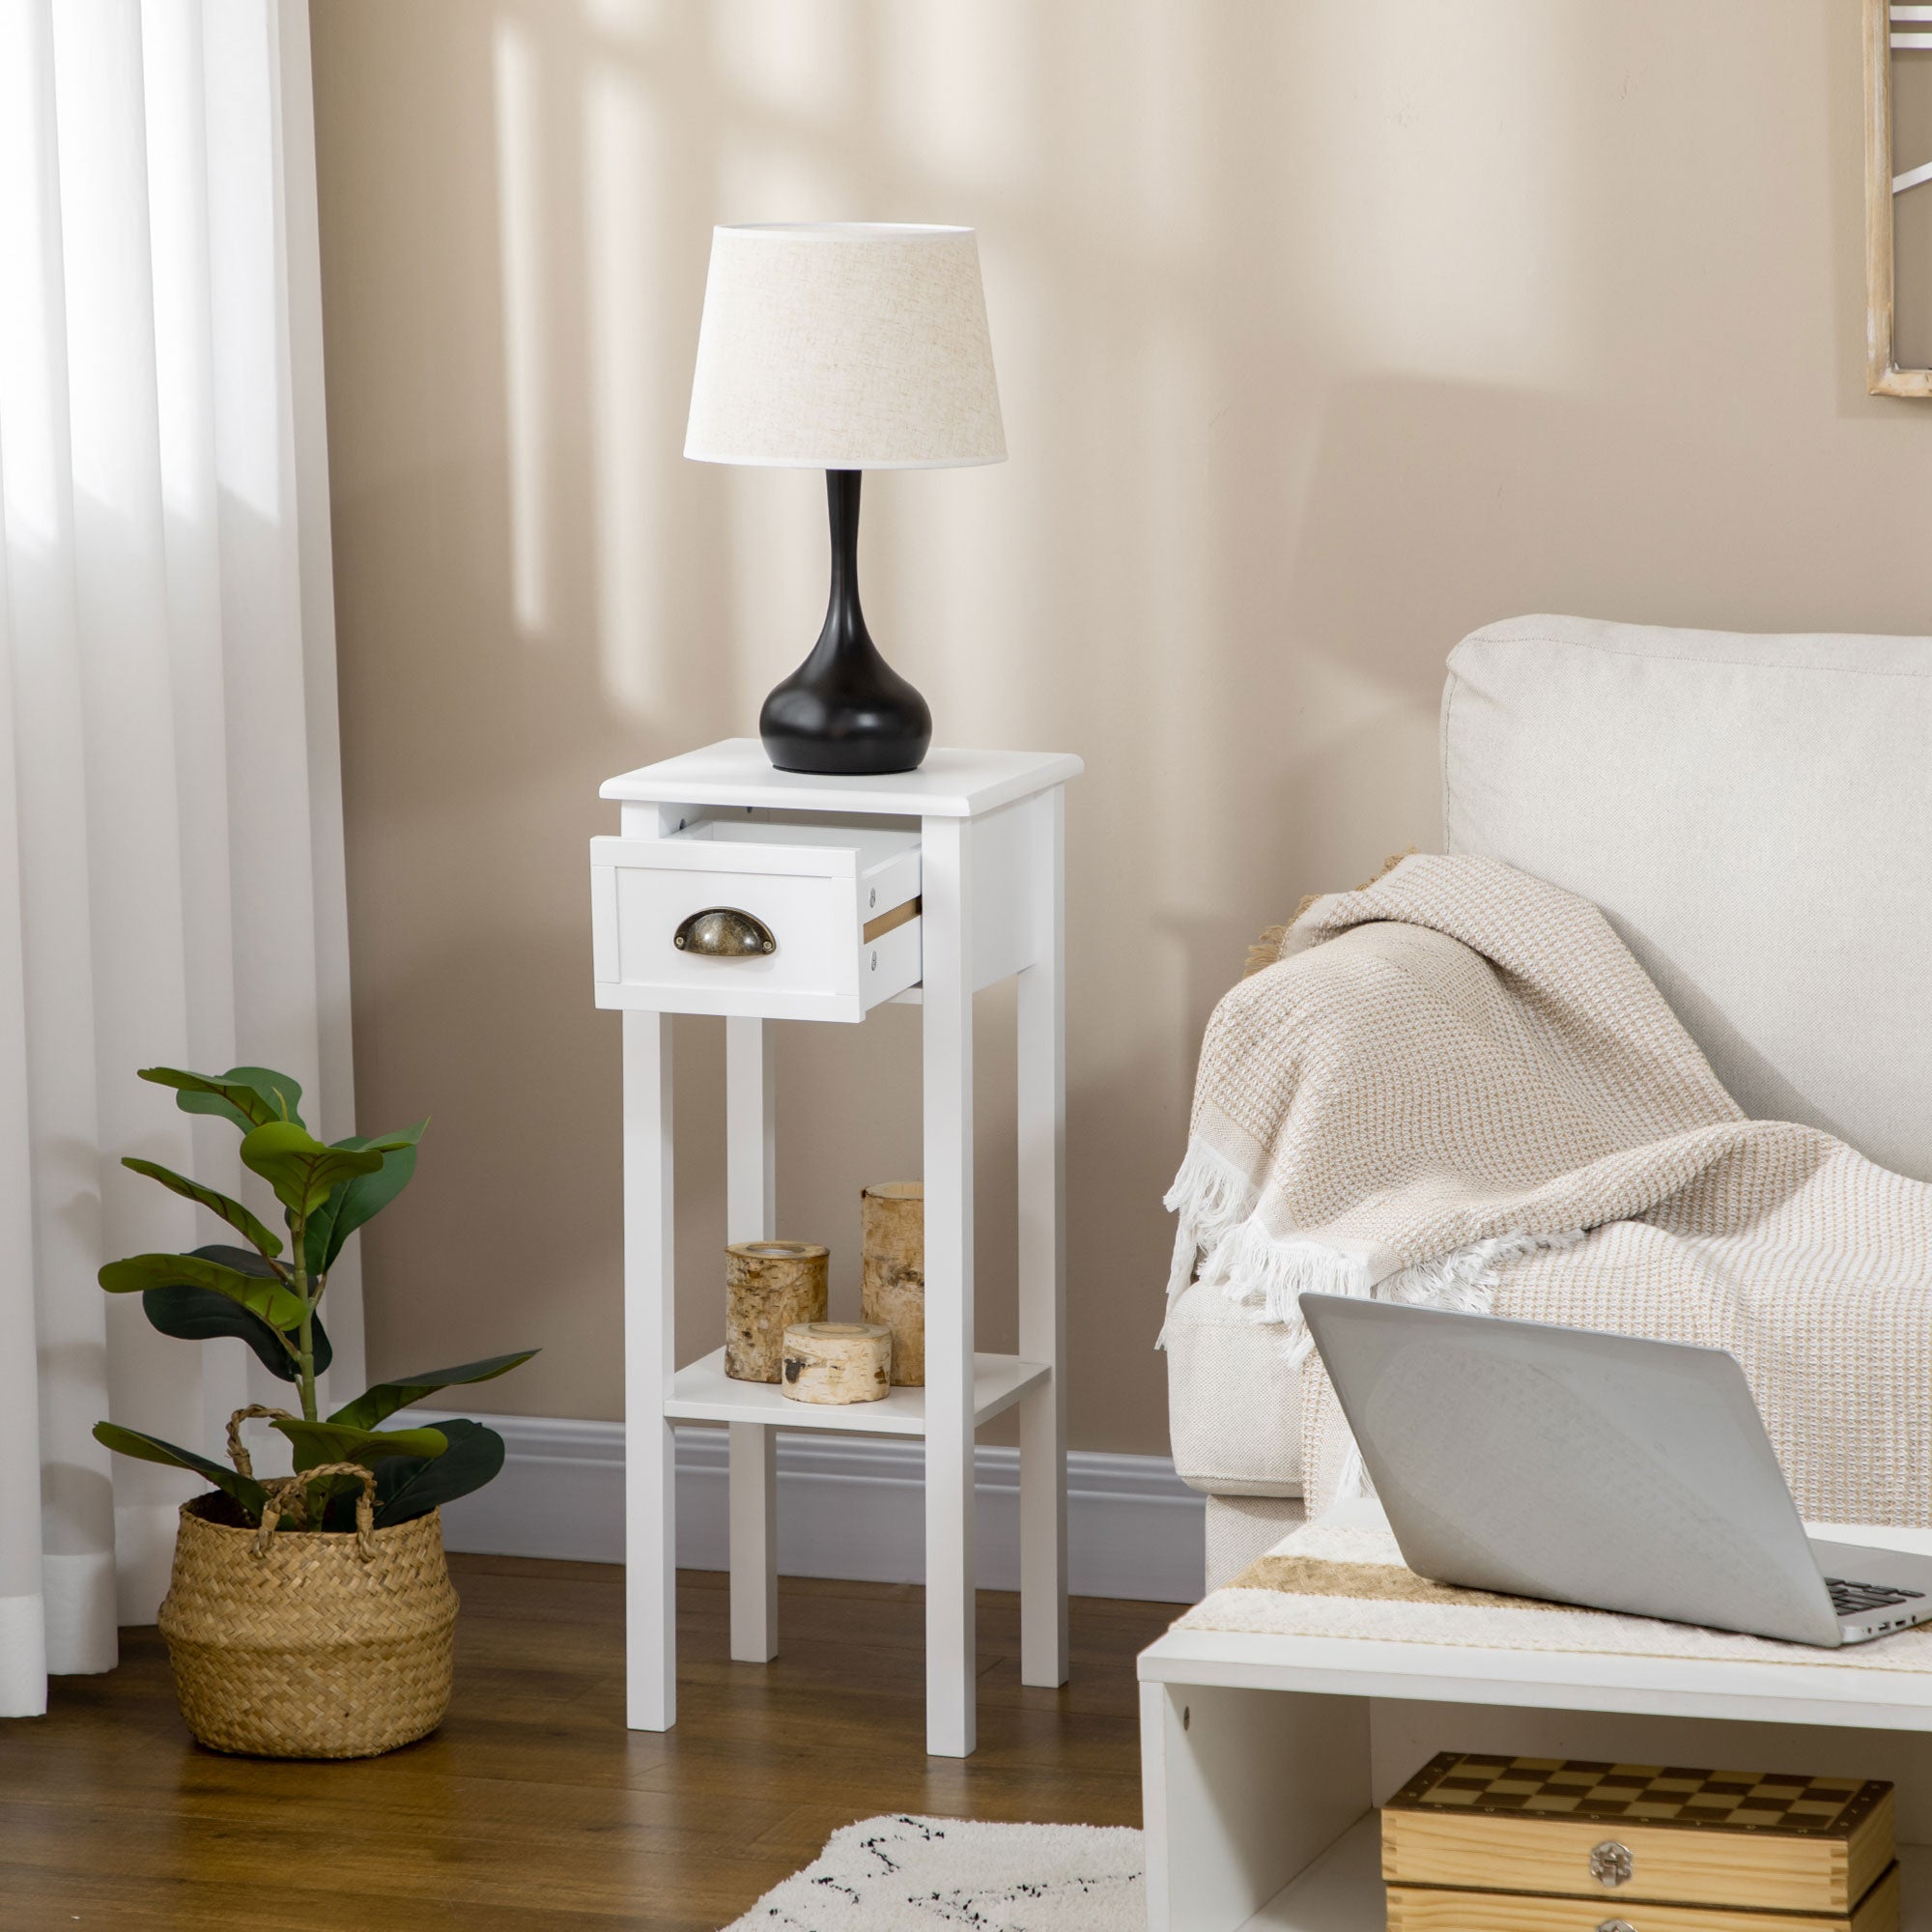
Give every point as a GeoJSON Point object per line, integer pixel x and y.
{"type": "Point", "coordinates": [951, 782]}
{"type": "Point", "coordinates": [1813, 1688]}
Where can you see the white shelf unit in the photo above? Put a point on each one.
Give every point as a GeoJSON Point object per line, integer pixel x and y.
{"type": "Point", "coordinates": [1263, 1756]}
{"type": "Point", "coordinates": [922, 887]}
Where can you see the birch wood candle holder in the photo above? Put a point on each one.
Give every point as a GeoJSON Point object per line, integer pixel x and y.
{"type": "Point", "coordinates": [837, 1361]}
{"type": "Point", "coordinates": [891, 1291]}
{"type": "Point", "coordinates": [769, 1286]}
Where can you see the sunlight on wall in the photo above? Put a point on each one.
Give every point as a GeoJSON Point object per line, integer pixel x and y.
{"type": "Point", "coordinates": [635, 415]}
{"type": "Point", "coordinates": [958, 92]}
{"type": "Point", "coordinates": [520, 213]}
{"type": "Point", "coordinates": [1173, 384]}
{"type": "Point", "coordinates": [785, 172]}
{"type": "Point", "coordinates": [1171, 108]}
{"type": "Point", "coordinates": [1445, 238]}
{"type": "Point", "coordinates": [637, 23]}
{"type": "Point", "coordinates": [1188, 678]}
{"type": "Point", "coordinates": [801, 62]}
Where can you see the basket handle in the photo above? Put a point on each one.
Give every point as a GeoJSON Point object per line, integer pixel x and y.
{"type": "Point", "coordinates": [290, 1493]}
{"type": "Point", "coordinates": [237, 1453]}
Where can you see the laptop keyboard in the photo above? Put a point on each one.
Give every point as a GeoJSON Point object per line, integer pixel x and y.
{"type": "Point", "coordinates": [1852, 1600]}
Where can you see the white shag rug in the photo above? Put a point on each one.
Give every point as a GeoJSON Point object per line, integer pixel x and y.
{"type": "Point", "coordinates": [925, 1874]}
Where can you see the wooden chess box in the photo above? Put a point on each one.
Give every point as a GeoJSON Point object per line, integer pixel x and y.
{"type": "Point", "coordinates": [1476, 1842]}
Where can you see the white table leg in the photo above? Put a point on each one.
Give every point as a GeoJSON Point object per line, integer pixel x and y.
{"type": "Point", "coordinates": [1043, 1261]}
{"type": "Point", "coordinates": [754, 1542]}
{"type": "Point", "coordinates": [1241, 1791]}
{"type": "Point", "coordinates": [650, 1495]}
{"type": "Point", "coordinates": [751, 1215]}
{"type": "Point", "coordinates": [948, 1007]}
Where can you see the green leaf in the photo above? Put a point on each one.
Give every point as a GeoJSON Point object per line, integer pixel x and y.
{"type": "Point", "coordinates": [233, 1212]}
{"type": "Point", "coordinates": [319, 1442]}
{"type": "Point", "coordinates": [248, 1095]}
{"type": "Point", "coordinates": [200, 1314]}
{"type": "Point", "coordinates": [365, 1197]}
{"type": "Point", "coordinates": [151, 1449]}
{"type": "Point", "coordinates": [269, 1299]}
{"type": "Point", "coordinates": [316, 1443]}
{"type": "Point", "coordinates": [244, 1260]}
{"type": "Point", "coordinates": [385, 1397]}
{"type": "Point", "coordinates": [409, 1490]}
{"type": "Point", "coordinates": [301, 1168]}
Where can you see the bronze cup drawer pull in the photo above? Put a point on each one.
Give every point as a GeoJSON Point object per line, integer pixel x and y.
{"type": "Point", "coordinates": [724, 932]}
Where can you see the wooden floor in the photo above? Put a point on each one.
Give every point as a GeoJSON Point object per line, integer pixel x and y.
{"type": "Point", "coordinates": [534, 1807]}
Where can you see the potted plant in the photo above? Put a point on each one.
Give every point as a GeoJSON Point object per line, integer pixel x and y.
{"type": "Point", "coordinates": [308, 1615]}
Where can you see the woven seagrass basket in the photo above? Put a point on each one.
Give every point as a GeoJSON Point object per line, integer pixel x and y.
{"type": "Point", "coordinates": [307, 1643]}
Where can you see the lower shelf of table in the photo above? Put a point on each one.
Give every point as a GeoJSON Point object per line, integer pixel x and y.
{"type": "Point", "coordinates": [1342, 1890]}
{"type": "Point", "coordinates": [702, 1392]}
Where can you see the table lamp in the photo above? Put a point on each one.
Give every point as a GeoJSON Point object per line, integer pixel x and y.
{"type": "Point", "coordinates": [844, 347]}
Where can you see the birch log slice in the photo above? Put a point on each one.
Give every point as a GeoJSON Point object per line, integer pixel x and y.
{"type": "Point", "coordinates": [768, 1286]}
{"type": "Point", "coordinates": [892, 1283]}
{"type": "Point", "coordinates": [837, 1361]}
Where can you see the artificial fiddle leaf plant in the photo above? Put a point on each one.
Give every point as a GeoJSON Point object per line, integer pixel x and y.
{"type": "Point", "coordinates": [268, 1294]}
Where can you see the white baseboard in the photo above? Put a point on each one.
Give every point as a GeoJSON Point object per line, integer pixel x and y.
{"type": "Point", "coordinates": [848, 1506]}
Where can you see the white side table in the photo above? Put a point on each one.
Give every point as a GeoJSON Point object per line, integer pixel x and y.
{"type": "Point", "coordinates": [841, 893]}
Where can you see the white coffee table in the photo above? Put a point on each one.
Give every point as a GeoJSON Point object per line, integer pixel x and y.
{"type": "Point", "coordinates": [1262, 1757]}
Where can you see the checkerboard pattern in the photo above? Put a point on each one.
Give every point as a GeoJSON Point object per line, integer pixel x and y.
{"type": "Point", "coordinates": [1639, 1794]}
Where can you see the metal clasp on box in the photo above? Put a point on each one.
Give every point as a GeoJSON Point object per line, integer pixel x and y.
{"type": "Point", "coordinates": [1611, 1865]}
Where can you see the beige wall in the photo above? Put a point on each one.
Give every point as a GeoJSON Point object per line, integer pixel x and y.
{"type": "Point", "coordinates": [1325, 332]}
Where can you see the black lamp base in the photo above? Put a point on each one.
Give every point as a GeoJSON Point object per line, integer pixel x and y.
{"type": "Point", "coordinates": [845, 712]}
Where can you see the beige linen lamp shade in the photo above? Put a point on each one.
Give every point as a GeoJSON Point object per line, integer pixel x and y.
{"type": "Point", "coordinates": [844, 346]}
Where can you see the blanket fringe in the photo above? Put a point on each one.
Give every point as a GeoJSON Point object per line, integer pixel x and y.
{"type": "Point", "coordinates": [1211, 1197]}
{"type": "Point", "coordinates": [1268, 1276]}
{"type": "Point", "coordinates": [1466, 1279]}
{"type": "Point", "coordinates": [1217, 1235]}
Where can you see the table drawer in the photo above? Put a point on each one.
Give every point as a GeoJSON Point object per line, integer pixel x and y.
{"type": "Point", "coordinates": [818, 922]}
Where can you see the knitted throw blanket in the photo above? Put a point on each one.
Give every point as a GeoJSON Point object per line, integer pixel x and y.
{"type": "Point", "coordinates": [1457, 1087]}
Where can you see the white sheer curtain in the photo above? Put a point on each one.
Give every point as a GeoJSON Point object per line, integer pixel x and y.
{"type": "Point", "coordinates": [170, 812]}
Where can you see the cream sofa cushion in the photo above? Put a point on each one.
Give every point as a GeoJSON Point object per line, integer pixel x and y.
{"type": "Point", "coordinates": [1234, 1400]}
{"type": "Point", "coordinates": [1755, 814]}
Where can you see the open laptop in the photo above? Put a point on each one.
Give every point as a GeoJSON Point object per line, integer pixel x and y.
{"type": "Point", "coordinates": [1596, 1470]}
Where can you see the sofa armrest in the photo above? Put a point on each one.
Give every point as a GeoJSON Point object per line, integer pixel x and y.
{"type": "Point", "coordinates": [1234, 1400]}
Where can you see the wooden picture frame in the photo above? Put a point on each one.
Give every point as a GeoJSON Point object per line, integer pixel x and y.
{"type": "Point", "coordinates": [1883, 20]}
